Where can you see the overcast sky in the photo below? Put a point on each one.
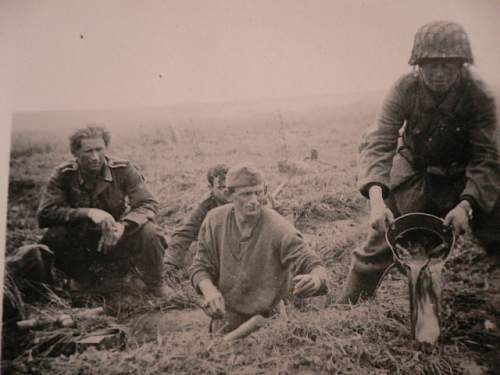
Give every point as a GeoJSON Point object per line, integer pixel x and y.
{"type": "Point", "coordinates": [130, 53]}
{"type": "Point", "coordinates": [69, 54]}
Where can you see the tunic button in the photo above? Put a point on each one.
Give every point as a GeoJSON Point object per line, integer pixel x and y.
{"type": "Point", "coordinates": [430, 139]}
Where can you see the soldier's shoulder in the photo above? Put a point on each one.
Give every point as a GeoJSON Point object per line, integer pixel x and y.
{"type": "Point", "coordinates": [67, 167]}
{"type": "Point", "coordinates": [275, 220]}
{"type": "Point", "coordinates": [118, 162]}
{"type": "Point", "coordinates": [407, 82]}
{"type": "Point", "coordinates": [478, 88]}
{"type": "Point", "coordinates": [208, 202]}
{"type": "Point", "coordinates": [220, 212]}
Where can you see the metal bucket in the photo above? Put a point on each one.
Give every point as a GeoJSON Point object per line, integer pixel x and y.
{"type": "Point", "coordinates": [421, 244]}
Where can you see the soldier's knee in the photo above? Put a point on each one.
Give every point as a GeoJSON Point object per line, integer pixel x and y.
{"type": "Point", "coordinates": [54, 234]}
{"type": "Point", "coordinates": [150, 233]}
{"type": "Point", "coordinates": [32, 262]}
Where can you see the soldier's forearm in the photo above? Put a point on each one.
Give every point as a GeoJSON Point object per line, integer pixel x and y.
{"type": "Point", "coordinates": [61, 215]}
{"type": "Point", "coordinates": [376, 197]}
{"type": "Point", "coordinates": [207, 287]}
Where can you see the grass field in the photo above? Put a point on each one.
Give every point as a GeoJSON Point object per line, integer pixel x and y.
{"type": "Point", "coordinates": [320, 197]}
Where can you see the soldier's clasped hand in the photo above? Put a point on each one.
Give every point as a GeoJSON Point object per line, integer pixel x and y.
{"type": "Point", "coordinates": [101, 217]}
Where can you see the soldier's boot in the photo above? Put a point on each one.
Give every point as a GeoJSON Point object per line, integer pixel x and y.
{"type": "Point", "coordinates": [150, 246]}
{"type": "Point", "coordinates": [369, 265]}
{"type": "Point", "coordinates": [485, 228]}
{"type": "Point", "coordinates": [493, 253]}
{"type": "Point", "coordinates": [360, 285]}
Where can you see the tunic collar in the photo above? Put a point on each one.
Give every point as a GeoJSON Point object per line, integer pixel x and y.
{"type": "Point", "coordinates": [105, 174]}
{"type": "Point", "coordinates": [449, 102]}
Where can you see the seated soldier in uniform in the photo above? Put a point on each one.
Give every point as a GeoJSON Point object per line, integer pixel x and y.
{"type": "Point", "coordinates": [247, 253]}
{"type": "Point", "coordinates": [99, 212]}
{"type": "Point", "coordinates": [186, 235]}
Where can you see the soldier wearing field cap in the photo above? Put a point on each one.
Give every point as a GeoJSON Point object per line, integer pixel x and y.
{"type": "Point", "coordinates": [247, 253]}
{"type": "Point", "coordinates": [432, 149]}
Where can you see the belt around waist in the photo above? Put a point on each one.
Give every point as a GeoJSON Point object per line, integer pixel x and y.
{"type": "Point", "coordinates": [450, 171]}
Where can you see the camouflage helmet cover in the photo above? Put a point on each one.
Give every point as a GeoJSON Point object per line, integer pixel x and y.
{"type": "Point", "coordinates": [441, 39]}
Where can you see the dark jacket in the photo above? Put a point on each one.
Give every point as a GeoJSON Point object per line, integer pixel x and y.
{"type": "Point", "coordinates": [446, 151]}
{"type": "Point", "coordinates": [188, 232]}
{"type": "Point", "coordinates": [119, 190]}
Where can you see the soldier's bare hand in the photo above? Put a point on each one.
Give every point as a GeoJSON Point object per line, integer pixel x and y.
{"type": "Point", "coordinates": [458, 219]}
{"type": "Point", "coordinates": [110, 235]}
{"type": "Point", "coordinates": [100, 217]}
{"type": "Point", "coordinates": [306, 285]}
{"type": "Point", "coordinates": [214, 305]}
{"type": "Point", "coordinates": [381, 217]}
{"type": "Point", "coordinates": [116, 233]}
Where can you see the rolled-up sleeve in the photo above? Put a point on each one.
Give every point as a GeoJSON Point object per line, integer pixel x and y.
{"type": "Point", "coordinates": [205, 263]}
{"type": "Point", "coordinates": [379, 143]}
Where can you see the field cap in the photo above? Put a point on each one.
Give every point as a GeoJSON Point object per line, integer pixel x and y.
{"type": "Point", "coordinates": [242, 175]}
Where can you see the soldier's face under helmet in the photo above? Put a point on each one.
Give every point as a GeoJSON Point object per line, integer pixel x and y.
{"type": "Point", "coordinates": [90, 156]}
{"type": "Point", "coordinates": [439, 74]}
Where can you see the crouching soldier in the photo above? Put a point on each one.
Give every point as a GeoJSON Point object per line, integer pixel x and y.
{"type": "Point", "coordinates": [185, 236]}
{"type": "Point", "coordinates": [247, 253]}
{"type": "Point", "coordinates": [432, 149]}
{"type": "Point", "coordinates": [99, 211]}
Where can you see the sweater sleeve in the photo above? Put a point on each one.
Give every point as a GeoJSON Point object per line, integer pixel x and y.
{"type": "Point", "coordinates": [295, 251]}
{"type": "Point", "coordinates": [206, 261]}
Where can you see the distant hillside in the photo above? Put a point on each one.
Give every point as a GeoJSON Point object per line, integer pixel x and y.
{"type": "Point", "coordinates": [348, 108]}
{"type": "Point", "coordinates": [255, 113]}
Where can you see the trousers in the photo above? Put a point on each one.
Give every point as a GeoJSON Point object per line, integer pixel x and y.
{"type": "Point", "coordinates": [371, 261]}
{"type": "Point", "coordinates": [75, 251]}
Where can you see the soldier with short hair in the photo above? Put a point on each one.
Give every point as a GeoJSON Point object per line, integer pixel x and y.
{"type": "Point", "coordinates": [99, 211]}
{"type": "Point", "coordinates": [186, 235]}
{"type": "Point", "coordinates": [247, 254]}
{"type": "Point", "coordinates": [432, 149]}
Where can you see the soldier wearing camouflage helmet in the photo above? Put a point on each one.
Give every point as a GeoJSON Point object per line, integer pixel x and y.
{"type": "Point", "coordinates": [432, 149]}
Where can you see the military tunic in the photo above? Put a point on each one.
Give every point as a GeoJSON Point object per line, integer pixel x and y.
{"type": "Point", "coordinates": [427, 156]}
{"type": "Point", "coordinates": [188, 232]}
{"type": "Point", "coordinates": [118, 190]}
